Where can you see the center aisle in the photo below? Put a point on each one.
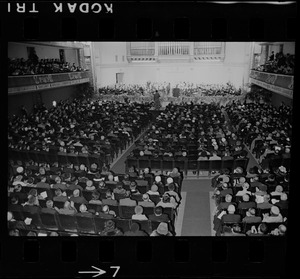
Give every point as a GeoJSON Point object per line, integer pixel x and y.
{"type": "Point", "coordinates": [196, 217]}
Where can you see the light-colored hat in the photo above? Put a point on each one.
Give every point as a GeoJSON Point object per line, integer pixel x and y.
{"type": "Point", "coordinates": [275, 210]}
{"type": "Point", "coordinates": [162, 228]}
{"type": "Point", "coordinates": [154, 188]}
{"type": "Point", "coordinates": [157, 178]}
{"type": "Point", "coordinates": [231, 208]}
{"type": "Point", "coordinates": [169, 180]}
{"type": "Point", "coordinates": [138, 209]}
{"type": "Point", "coordinates": [20, 169]}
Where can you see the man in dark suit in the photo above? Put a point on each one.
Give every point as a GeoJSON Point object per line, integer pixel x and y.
{"type": "Point", "coordinates": [231, 217]}
{"type": "Point", "coordinates": [158, 215]}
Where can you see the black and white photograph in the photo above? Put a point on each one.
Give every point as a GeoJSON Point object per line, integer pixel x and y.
{"type": "Point", "coordinates": [149, 138]}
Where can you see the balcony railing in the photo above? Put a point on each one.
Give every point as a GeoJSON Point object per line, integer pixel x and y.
{"type": "Point", "coordinates": [207, 50]}
{"type": "Point", "coordinates": [142, 52]}
{"type": "Point", "coordinates": [281, 84]}
{"type": "Point", "coordinates": [22, 84]}
{"type": "Point", "coordinates": [173, 48]}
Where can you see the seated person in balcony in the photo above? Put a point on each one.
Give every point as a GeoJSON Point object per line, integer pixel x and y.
{"type": "Point", "coordinates": [120, 190]}
{"type": "Point", "coordinates": [222, 190]}
{"type": "Point", "coordinates": [109, 198]}
{"type": "Point", "coordinates": [59, 184]}
{"type": "Point", "coordinates": [135, 231]}
{"type": "Point", "coordinates": [278, 191]}
{"type": "Point", "coordinates": [274, 216]}
{"type": "Point", "coordinates": [138, 210]}
{"type": "Point", "coordinates": [106, 213]}
{"type": "Point", "coordinates": [146, 201]}
{"type": "Point", "coordinates": [204, 155]}
{"type": "Point", "coordinates": [127, 202]}
{"type": "Point", "coordinates": [133, 189]}
{"type": "Point", "coordinates": [73, 184]}
{"type": "Point", "coordinates": [162, 230]}
{"type": "Point", "coordinates": [68, 209]}
{"type": "Point", "coordinates": [251, 216]}
{"type": "Point", "coordinates": [77, 198]}
{"type": "Point", "coordinates": [175, 173]}
{"type": "Point", "coordinates": [60, 196]}
{"type": "Point", "coordinates": [159, 215]}
{"type": "Point", "coordinates": [83, 211]}
{"type": "Point", "coordinates": [110, 229]}
{"type": "Point", "coordinates": [43, 183]}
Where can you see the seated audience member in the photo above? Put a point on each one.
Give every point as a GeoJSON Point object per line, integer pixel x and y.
{"type": "Point", "coordinates": [77, 198]}
{"type": "Point", "coordinates": [246, 203]}
{"type": "Point", "coordinates": [273, 217]}
{"type": "Point", "coordinates": [83, 211]}
{"type": "Point", "coordinates": [244, 191]}
{"type": "Point", "coordinates": [278, 191]}
{"type": "Point", "coordinates": [175, 173]}
{"type": "Point", "coordinates": [120, 190]}
{"type": "Point", "coordinates": [73, 184]}
{"type": "Point", "coordinates": [59, 196]}
{"type": "Point", "coordinates": [133, 190]}
{"type": "Point", "coordinates": [90, 186]}
{"type": "Point", "coordinates": [159, 215]}
{"type": "Point", "coordinates": [171, 191]}
{"type": "Point", "coordinates": [228, 201]}
{"type": "Point", "coordinates": [262, 230]}
{"type": "Point", "coordinates": [42, 183]}
{"type": "Point", "coordinates": [109, 198]}
{"type": "Point", "coordinates": [162, 230]}
{"type": "Point", "coordinates": [127, 202]}
{"type": "Point", "coordinates": [281, 230]}
{"type": "Point", "coordinates": [146, 201]}
{"type": "Point", "coordinates": [135, 231]}
{"type": "Point", "coordinates": [265, 204]}
{"type": "Point", "coordinates": [235, 230]}
{"type": "Point", "coordinates": [95, 198]}
{"type": "Point", "coordinates": [31, 205]}
{"type": "Point", "coordinates": [68, 209]}
{"type": "Point", "coordinates": [139, 214]}
{"type": "Point", "coordinates": [230, 216]}
{"type": "Point", "coordinates": [223, 190]}
{"type": "Point", "coordinates": [110, 229]}
{"type": "Point", "coordinates": [153, 190]}
{"type": "Point", "coordinates": [167, 201]}
{"type": "Point", "coordinates": [283, 203]}
{"type": "Point", "coordinates": [59, 184]}
{"type": "Point", "coordinates": [49, 208]}
{"type": "Point", "coordinates": [251, 217]}
{"type": "Point", "coordinates": [106, 213]}
{"type": "Point", "coordinates": [240, 182]}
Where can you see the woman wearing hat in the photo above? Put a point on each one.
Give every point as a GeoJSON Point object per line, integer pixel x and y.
{"type": "Point", "coordinates": [162, 230]}
{"type": "Point", "coordinates": [110, 229]}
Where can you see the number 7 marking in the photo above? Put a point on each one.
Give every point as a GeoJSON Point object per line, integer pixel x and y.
{"type": "Point", "coordinates": [117, 269]}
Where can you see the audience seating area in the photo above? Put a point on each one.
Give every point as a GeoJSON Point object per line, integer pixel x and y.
{"type": "Point", "coordinates": [192, 138]}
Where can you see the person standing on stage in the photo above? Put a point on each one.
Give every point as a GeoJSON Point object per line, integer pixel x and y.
{"type": "Point", "coordinates": [156, 97]}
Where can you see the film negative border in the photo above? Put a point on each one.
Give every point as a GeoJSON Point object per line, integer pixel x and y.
{"type": "Point", "coordinates": [193, 257]}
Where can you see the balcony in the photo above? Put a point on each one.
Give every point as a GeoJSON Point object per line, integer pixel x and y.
{"type": "Point", "coordinates": [281, 84]}
{"type": "Point", "coordinates": [23, 84]}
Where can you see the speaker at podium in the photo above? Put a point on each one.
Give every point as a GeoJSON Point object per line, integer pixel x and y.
{"type": "Point", "coordinates": [176, 92]}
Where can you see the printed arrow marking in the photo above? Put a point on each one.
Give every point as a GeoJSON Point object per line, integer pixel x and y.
{"type": "Point", "coordinates": [98, 273]}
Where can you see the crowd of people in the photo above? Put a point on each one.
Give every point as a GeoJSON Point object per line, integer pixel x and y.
{"type": "Point", "coordinates": [92, 192]}
{"type": "Point", "coordinates": [186, 89]}
{"type": "Point", "coordinates": [20, 66]}
{"type": "Point", "coordinates": [78, 127]}
{"type": "Point", "coordinates": [253, 203]}
{"type": "Point", "coordinates": [190, 132]}
{"type": "Point", "coordinates": [279, 63]}
{"type": "Point", "coordinates": [265, 129]}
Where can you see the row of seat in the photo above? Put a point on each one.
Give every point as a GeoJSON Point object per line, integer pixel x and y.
{"type": "Point", "coordinates": [245, 227]}
{"type": "Point", "coordinates": [85, 225]}
{"type": "Point", "coordinates": [186, 166]}
{"type": "Point", "coordinates": [122, 211]}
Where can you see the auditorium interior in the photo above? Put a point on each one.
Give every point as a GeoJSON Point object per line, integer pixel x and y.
{"type": "Point", "coordinates": [149, 138]}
